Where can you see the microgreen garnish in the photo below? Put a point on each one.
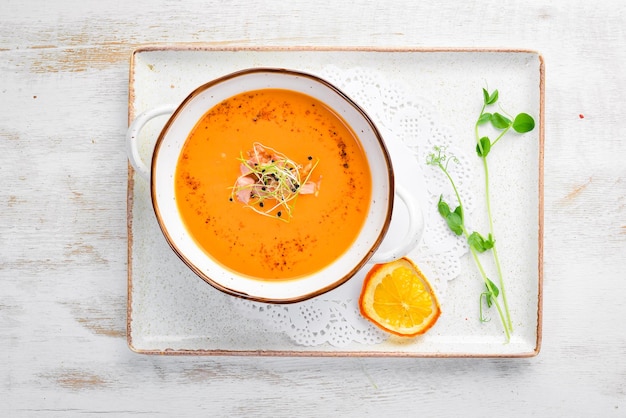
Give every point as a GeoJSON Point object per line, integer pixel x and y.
{"type": "Point", "coordinates": [521, 123]}
{"type": "Point", "coordinates": [270, 182]}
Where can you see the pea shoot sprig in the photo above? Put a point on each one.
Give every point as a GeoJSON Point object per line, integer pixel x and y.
{"type": "Point", "coordinates": [455, 219]}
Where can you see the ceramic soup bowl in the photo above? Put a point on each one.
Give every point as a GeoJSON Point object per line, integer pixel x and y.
{"type": "Point", "coordinates": [161, 173]}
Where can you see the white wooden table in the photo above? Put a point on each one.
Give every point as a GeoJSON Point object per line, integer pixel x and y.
{"type": "Point", "coordinates": [63, 263]}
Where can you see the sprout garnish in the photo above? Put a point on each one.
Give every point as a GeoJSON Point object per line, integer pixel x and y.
{"type": "Point", "coordinates": [270, 182]}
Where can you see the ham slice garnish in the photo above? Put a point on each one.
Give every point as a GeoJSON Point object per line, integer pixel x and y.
{"type": "Point", "coordinates": [244, 194]}
{"type": "Point", "coordinates": [308, 188]}
{"type": "Point", "coordinates": [311, 187]}
{"type": "Point", "coordinates": [244, 169]}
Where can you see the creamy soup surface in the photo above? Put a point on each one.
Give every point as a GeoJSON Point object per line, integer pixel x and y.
{"type": "Point", "coordinates": [322, 226]}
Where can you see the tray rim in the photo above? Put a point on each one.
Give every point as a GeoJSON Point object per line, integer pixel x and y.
{"type": "Point", "coordinates": [204, 47]}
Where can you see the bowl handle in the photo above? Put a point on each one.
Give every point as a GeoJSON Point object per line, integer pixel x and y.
{"type": "Point", "coordinates": [414, 232]}
{"type": "Point", "coordinates": [132, 134]}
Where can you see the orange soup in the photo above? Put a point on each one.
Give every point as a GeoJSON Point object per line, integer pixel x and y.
{"type": "Point", "coordinates": [322, 225]}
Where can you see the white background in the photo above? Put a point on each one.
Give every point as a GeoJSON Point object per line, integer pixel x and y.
{"type": "Point", "coordinates": [63, 101]}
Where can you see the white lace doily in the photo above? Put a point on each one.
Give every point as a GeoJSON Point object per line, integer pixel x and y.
{"type": "Point", "coordinates": [411, 129]}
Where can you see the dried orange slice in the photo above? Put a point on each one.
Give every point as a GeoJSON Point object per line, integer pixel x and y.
{"type": "Point", "coordinates": [399, 299]}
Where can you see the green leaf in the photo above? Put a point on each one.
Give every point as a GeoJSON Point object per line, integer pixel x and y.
{"type": "Point", "coordinates": [493, 98]}
{"type": "Point", "coordinates": [479, 243]}
{"type": "Point", "coordinates": [453, 219]}
{"type": "Point", "coordinates": [459, 211]}
{"type": "Point", "coordinates": [492, 292]}
{"type": "Point", "coordinates": [492, 288]}
{"type": "Point", "coordinates": [484, 118]}
{"type": "Point", "coordinates": [499, 121]}
{"type": "Point", "coordinates": [490, 242]}
{"type": "Point", "coordinates": [490, 98]}
{"type": "Point", "coordinates": [483, 146]}
{"type": "Point", "coordinates": [442, 207]}
{"type": "Point", "coordinates": [523, 123]}
{"type": "Point", "coordinates": [455, 222]}
{"type": "Point", "coordinates": [475, 241]}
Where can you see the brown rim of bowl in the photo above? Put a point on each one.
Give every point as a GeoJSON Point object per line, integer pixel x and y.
{"type": "Point", "coordinates": [238, 293]}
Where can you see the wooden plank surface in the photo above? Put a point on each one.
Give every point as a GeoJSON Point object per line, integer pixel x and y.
{"type": "Point", "coordinates": [63, 97]}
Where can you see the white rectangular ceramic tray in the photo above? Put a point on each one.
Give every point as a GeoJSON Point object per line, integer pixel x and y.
{"type": "Point", "coordinates": [172, 311]}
